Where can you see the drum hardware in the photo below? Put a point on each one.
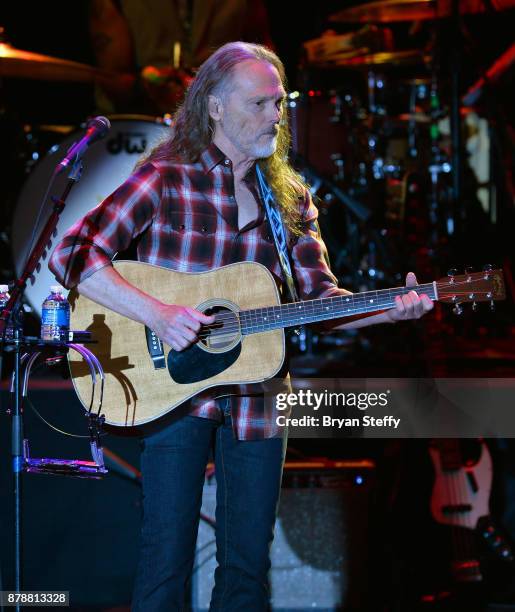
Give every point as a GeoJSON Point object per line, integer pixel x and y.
{"type": "Point", "coordinates": [339, 162]}
{"type": "Point", "coordinates": [390, 11]}
{"type": "Point", "coordinates": [418, 115]}
{"type": "Point", "coordinates": [322, 126]}
{"type": "Point", "coordinates": [318, 181]}
{"type": "Point", "coordinates": [411, 57]}
{"type": "Point", "coordinates": [490, 77]}
{"type": "Point", "coordinates": [331, 47]}
{"type": "Point", "coordinates": [418, 91]}
{"type": "Point", "coordinates": [362, 178]}
{"type": "Point", "coordinates": [373, 84]}
{"type": "Point", "coordinates": [363, 251]}
{"type": "Point", "coordinates": [336, 101]}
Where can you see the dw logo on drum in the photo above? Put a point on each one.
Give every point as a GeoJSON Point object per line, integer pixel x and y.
{"type": "Point", "coordinates": [128, 142]}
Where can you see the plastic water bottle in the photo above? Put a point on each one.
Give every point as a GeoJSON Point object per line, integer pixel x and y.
{"type": "Point", "coordinates": [4, 298]}
{"type": "Point", "coordinates": [55, 316]}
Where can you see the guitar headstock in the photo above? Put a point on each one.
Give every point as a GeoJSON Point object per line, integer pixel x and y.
{"type": "Point", "coordinates": [472, 287]}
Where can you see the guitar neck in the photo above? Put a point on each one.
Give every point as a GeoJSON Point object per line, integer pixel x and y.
{"type": "Point", "coordinates": [324, 309]}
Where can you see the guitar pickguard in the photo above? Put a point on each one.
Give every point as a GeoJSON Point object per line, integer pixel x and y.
{"type": "Point", "coordinates": [195, 364]}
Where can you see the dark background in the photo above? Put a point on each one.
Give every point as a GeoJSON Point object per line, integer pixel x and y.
{"type": "Point", "coordinates": [81, 535]}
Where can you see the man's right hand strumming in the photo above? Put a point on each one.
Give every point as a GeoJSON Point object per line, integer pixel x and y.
{"type": "Point", "coordinates": [175, 325]}
{"type": "Point", "coordinates": [178, 326]}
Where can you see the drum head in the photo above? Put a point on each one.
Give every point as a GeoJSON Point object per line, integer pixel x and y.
{"type": "Point", "coordinates": [106, 165]}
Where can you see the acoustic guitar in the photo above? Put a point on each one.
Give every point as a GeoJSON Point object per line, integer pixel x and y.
{"type": "Point", "coordinates": [144, 380]}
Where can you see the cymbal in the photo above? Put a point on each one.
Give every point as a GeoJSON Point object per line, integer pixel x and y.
{"type": "Point", "coordinates": [392, 58]}
{"type": "Point", "coordinates": [16, 63]}
{"type": "Point", "coordinates": [387, 11]}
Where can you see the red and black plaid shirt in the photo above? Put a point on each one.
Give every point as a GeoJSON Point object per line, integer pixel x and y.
{"type": "Point", "coordinates": [185, 217]}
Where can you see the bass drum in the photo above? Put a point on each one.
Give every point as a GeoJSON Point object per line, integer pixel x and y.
{"type": "Point", "coordinates": [106, 165]}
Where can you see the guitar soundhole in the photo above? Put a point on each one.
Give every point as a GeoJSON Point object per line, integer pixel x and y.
{"type": "Point", "coordinates": [223, 333]}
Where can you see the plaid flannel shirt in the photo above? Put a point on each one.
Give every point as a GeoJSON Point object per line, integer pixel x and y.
{"type": "Point", "coordinates": [185, 217]}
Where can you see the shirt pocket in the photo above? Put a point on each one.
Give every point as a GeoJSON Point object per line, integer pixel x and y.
{"type": "Point", "coordinates": [196, 223]}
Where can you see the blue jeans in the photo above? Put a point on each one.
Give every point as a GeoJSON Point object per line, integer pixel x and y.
{"type": "Point", "coordinates": [248, 475]}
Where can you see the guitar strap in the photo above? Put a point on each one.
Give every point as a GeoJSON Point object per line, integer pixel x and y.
{"type": "Point", "coordinates": [276, 224]}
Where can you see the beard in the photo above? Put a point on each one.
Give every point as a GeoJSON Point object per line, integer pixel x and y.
{"type": "Point", "coordinates": [259, 147]}
{"type": "Point", "coordinates": [262, 151]}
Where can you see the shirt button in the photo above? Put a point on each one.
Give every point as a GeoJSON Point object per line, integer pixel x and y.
{"type": "Point", "coordinates": [227, 162]}
{"type": "Point", "coordinates": [231, 198]}
{"type": "Point", "coordinates": [181, 227]}
{"type": "Point", "coordinates": [204, 228]}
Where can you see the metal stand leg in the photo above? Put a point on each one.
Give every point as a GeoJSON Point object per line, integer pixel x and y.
{"type": "Point", "coordinates": [17, 465]}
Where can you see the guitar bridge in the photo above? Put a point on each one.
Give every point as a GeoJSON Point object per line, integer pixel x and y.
{"type": "Point", "coordinates": [155, 349]}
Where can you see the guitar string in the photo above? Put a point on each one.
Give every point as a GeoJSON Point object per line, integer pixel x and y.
{"type": "Point", "coordinates": [232, 324]}
{"type": "Point", "coordinates": [461, 538]}
{"type": "Point", "coordinates": [306, 303]}
{"type": "Point", "coordinates": [288, 312]}
{"type": "Point", "coordinates": [236, 321]}
{"type": "Point", "coordinates": [454, 495]}
{"type": "Point", "coordinates": [451, 494]}
{"type": "Point", "coordinates": [233, 318]}
{"type": "Point", "coordinates": [357, 297]}
{"type": "Point", "coordinates": [249, 313]}
{"type": "Point", "coordinates": [361, 296]}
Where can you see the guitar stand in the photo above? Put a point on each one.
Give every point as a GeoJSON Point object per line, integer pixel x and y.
{"type": "Point", "coordinates": [94, 469]}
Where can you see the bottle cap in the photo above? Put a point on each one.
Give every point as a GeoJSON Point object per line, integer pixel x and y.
{"type": "Point", "coordinates": [4, 288]}
{"type": "Point", "coordinates": [56, 289]}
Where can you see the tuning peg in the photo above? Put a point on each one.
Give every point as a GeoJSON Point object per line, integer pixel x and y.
{"type": "Point", "coordinates": [474, 306]}
{"type": "Point", "coordinates": [488, 268]}
{"type": "Point", "coordinates": [452, 272]}
{"type": "Point", "coordinates": [469, 269]}
{"type": "Point", "coordinates": [458, 309]}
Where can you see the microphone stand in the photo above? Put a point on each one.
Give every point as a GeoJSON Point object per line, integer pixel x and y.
{"type": "Point", "coordinates": [459, 210]}
{"type": "Point", "coordinates": [13, 311]}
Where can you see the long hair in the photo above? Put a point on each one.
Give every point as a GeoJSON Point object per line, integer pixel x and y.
{"type": "Point", "coordinates": [192, 129]}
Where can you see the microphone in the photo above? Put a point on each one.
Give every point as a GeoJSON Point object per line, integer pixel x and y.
{"type": "Point", "coordinates": [96, 129]}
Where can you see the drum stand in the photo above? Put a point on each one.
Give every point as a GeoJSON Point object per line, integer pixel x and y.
{"type": "Point", "coordinates": [26, 351]}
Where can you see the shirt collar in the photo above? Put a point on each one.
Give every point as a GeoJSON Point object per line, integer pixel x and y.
{"type": "Point", "coordinates": [211, 157]}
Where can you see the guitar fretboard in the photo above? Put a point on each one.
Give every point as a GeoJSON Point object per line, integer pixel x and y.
{"type": "Point", "coordinates": [310, 311]}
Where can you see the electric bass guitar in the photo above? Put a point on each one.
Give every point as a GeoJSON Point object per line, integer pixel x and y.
{"type": "Point", "coordinates": [461, 500]}
{"type": "Point", "coordinates": [144, 380]}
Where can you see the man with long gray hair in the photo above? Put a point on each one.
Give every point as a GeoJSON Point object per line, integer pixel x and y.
{"type": "Point", "coordinates": [193, 204]}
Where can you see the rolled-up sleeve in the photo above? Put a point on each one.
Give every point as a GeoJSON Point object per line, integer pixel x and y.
{"type": "Point", "coordinates": [93, 241]}
{"type": "Point", "coordinates": [309, 254]}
